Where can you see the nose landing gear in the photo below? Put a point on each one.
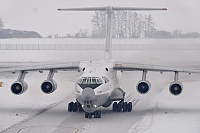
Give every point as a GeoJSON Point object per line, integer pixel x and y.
{"type": "Point", "coordinates": [97, 114]}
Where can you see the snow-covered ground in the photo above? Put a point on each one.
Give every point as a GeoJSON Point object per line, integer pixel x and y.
{"type": "Point", "coordinates": [168, 114]}
{"type": "Point", "coordinates": [157, 111]}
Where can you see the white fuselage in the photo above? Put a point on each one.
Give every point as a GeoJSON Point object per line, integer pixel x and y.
{"type": "Point", "coordinates": [94, 87]}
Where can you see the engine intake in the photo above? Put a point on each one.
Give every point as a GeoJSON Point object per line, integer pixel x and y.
{"type": "Point", "coordinates": [175, 88]}
{"type": "Point", "coordinates": [49, 86]}
{"type": "Point", "coordinates": [143, 86]}
{"type": "Point", "coordinates": [19, 87]}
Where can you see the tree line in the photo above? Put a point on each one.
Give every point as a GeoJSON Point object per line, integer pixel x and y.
{"type": "Point", "coordinates": [127, 24]}
{"type": "Point", "coordinates": [9, 33]}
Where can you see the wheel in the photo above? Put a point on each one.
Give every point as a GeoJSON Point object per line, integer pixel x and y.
{"type": "Point", "coordinates": [115, 106]}
{"type": "Point", "coordinates": [74, 107]}
{"type": "Point", "coordinates": [119, 107]}
{"type": "Point", "coordinates": [96, 114]}
{"type": "Point", "coordinates": [70, 107]}
{"type": "Point", "coordinates": [86, 115]}
{"type": "Point", "coordinates": [89, 115]}
{"type": "Point", "coordinates": [125, 107]}
{"type": "Point", "coordinates": [79, 107]}
{"type": "Point", "coordinates": [129, 107]}
{"type": "Point", "coordinates": [99, 114]}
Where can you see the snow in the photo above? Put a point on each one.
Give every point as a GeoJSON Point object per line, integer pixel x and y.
{"type": "Point", "coordinates": [172, 114]}
{"type": "Point", "coordinates": [20, 108]}
{"type": "Point", "coordinates": [157, 111]}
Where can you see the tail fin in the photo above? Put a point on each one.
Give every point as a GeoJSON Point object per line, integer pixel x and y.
{"type": "Point", "coordinates": [109, 10]}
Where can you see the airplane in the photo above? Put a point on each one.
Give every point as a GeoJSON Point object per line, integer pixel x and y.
{"type": "Point", "coordinates": [98, 86]}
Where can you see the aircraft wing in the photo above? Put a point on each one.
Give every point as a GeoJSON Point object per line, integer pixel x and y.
{"type": "Point", "coordinates": [35, 67]}
{"type": "Point", "coordinates": [123, 66]}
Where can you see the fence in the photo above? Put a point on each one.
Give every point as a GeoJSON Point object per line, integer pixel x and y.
{"type": "Point", "coordinates": [99, 46]}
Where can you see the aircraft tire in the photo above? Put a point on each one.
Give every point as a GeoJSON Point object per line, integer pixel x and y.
{"type": "Point", "coordinates": [119, 107]}
{"type": "Point", "coordinates": [115, 107]}
{"type": "Point", "coordinates": [86, 115]}
{"type": "Point", "coordinates": [129, 107]}
{"type": "Point", "coordinates": [74, 107]}
{"type": "Point", "coordinates": [89, 115]}
{"type": "Point", "coordinates": [95, 114]}
{"type": "Point", "coordinates": [125, 107]}
{"type": "Point", "coordinates": [98, 114]}
{"type": "Point", "coordinates": [70, 107]}
{"type": "Point", "coordinates": [79, 107]}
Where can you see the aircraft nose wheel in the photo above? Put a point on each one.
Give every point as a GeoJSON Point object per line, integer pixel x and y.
{"type": "Point", "coordinates": [97, 114]}
{"type": "Point", "coordinates": [122, 106]}
{"type": "Point", "coordinates": [75, 106]}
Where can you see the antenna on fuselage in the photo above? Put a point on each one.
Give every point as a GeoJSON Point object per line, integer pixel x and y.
{"type": "Point", "coordinates": [109, 10]}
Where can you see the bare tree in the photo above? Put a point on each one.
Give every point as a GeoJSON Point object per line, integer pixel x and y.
{"type": "Point", "coordinates": [177, 33]}
{"type": "Point", "coordinates": [1, 24]}
{"type": "Point", "coordinates": [148, 26]}
{"type": "Point", "coordinates": [139, 26]}
{"type": "Point", "coordinates": [83, 33]}
{"type": "Point", "coordinates": [126, 24]}
{"type": "Point", "coordinates": [99, 24]}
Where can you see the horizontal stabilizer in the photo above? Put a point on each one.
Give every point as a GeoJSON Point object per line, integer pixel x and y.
{"type": "Point", "coordinates": [108, 7]}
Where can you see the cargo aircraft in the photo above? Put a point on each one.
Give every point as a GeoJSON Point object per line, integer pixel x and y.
{"type": "Point", "coordinates": [98, 86]}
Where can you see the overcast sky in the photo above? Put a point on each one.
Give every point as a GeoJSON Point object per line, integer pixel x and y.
{"type": "Point", "coordinates": [42, 16]}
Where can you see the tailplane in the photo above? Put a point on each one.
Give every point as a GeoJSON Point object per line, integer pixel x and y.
{"type": "Point", "coordinates": [109, 10]}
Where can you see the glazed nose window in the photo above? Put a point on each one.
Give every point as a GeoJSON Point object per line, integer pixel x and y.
{"type": "Point", "coordinates": [89, 82]}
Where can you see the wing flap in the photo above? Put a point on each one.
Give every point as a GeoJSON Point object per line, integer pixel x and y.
{"type": "Point", "coordinates": [65, 67]}
{"type": "Point", "coordinates": [122, 66]}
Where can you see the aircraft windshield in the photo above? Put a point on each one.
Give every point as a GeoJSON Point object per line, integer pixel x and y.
{"type": "Point", "coordinates": [91, 82]}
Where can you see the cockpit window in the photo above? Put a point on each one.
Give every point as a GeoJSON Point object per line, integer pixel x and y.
{"type": "Point", "coordinates": [83, 80]}
{"type": "Point", "coordinates": [91, 82]}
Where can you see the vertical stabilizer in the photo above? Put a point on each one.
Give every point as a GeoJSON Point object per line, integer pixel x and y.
{"type": "Point", "coordinates": [108, 46]}
{"type": "Point", "coordinates": [109, 10]}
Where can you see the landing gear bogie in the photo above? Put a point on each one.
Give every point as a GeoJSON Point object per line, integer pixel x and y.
{"type": "Point", "coordinates": [122, 106]}
{"type": "Point", "coordinates": [74, 107]}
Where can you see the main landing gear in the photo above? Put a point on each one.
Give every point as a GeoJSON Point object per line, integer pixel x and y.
{"type": "Point", "coordinates": [75, 106]}
{"type": "Point", "coordinates": [122, 106]}
{"type": "Point", "coordinates": [97, 114]}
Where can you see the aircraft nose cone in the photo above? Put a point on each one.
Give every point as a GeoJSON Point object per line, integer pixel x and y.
{"type": "Point", "coordinates": [88, 94]}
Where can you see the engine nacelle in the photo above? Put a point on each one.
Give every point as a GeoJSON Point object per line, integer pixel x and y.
{"type": "Point", "coordinates": [175, 88]}
{"type": "Point", "coordinates": [143, 86]}
{"type": "Point", "coordinates": [19, 87]}
{"type": "Point", "coordinates": [49, 86]}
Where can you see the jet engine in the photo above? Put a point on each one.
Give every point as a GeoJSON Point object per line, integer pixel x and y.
{"type": "Point", "coordinates": [49, 86]}
{"type": "Point", "coordinates": [19, 87]}
{"type": "Point", "coordinates": [143, 86]}
{"type": "Point", "coordinates": [175, 88]}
